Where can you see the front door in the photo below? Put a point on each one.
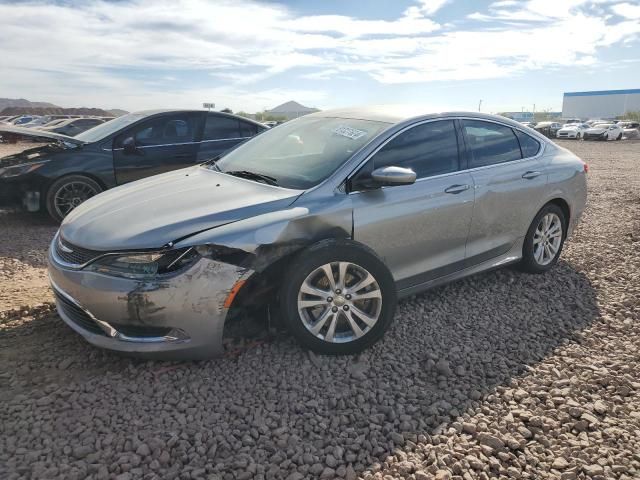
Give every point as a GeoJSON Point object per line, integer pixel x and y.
{"type": "Point", "coordinates": [418, 230]}
{"type": "Point", "coordinates": [160, 144]}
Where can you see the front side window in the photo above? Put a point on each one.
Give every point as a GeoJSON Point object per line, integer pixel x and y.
{"type": "Point", "coordinates": [490, 143]}
{"type": "Point", "coordinates": [428, 149]}
{"type": "Point", "coordinates": [164, 130]}
{"type": "Point", "coordinates": [301, 153]}
{"type": "Point", "coordinates": [218, 127]}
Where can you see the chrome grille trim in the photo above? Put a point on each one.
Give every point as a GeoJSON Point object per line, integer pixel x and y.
{"type": "Point", "coordinates": [72, 256]}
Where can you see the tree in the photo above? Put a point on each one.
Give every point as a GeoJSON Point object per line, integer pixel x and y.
{"type": "Point", "coordinates": [635, 116]}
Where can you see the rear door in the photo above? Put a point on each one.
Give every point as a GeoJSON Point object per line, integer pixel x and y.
{"type": "Point", "coordinates": [509, 178]}
{"type": "Point", "coordinates": [222, 133]}
{"type": "Point", "coordinates": [162, 143]}
{"type": "Point", "coordinates": [419, 230]}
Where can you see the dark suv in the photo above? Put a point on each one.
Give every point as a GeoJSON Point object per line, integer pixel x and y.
{"type": "Point", "coordinates": [69, 170]}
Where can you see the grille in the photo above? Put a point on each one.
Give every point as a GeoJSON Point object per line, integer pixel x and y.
{"type": "Point", "coordinates": [77, 315]}
{"type": "Point", "coordinates": [77, 255]}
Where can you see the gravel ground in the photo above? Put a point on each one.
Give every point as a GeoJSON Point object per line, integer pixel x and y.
{"type": "Point", "coordinates": [502, 375]}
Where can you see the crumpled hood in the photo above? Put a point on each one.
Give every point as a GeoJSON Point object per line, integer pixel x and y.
{"type": "Point", "coordinates": [152, 212]}
{"type": "Point", "coordinates": [36, 133]}
{"type": "Point", "coordinates": [31, 155]}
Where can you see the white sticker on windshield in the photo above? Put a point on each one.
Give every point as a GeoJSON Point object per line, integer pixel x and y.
{"type": "Point", "coordinates": [352, 133]}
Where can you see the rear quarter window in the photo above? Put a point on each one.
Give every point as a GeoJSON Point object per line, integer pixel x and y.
{"type": "Point", "coordinates": [529, 145]}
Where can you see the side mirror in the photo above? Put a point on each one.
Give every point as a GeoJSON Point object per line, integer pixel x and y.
{"type": "Point", "coordinates": [383, 177]}
{"type": "Point", "coordinates": [129, 146]}
{"type": "Point", "coordinates": [391, 176]}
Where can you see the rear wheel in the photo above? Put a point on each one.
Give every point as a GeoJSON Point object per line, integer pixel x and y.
{"type": "Point", "coordinates": [544, 240]}
{"type": "Point", "coordinates": [619, 137]}
{"type": "Point", "coordinates": [338, 298]}
{"type": "Point", "coordinates": [67, 193]}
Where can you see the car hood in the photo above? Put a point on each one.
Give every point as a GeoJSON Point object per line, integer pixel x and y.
{"type": "Point", "coordinates": [28, 132]}
{"type": "Point", "coordinates": [152, 212]}
{"type": "Point", "coordinates": [31, 155]}
{"type": "Point", "coordinates": [568, 129]}
{"type": "Point", "coordinates": [596, 130]}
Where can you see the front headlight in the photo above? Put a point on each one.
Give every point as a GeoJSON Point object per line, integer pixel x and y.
{"type": "Point", "coordinates": [145, 264]}
{"type": "Point", "coordinates": [17, 170]}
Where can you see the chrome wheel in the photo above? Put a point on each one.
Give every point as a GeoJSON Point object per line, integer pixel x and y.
{"type": "Point", "coordinates": [339, 302]}
{"type": "Point", "coordinates": [70, 195]}
{"type": "Point", "coordinates": [547, 239]}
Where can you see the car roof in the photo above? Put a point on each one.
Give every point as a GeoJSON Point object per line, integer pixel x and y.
{"type": "Point", "coordinates": [148, 113]}
{"type": "Point", "coordinates": [400, 113]}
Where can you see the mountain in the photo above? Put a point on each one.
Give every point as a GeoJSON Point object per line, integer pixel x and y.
{"type": "Point", "coordinates": [20, 106]}
{"type": "Point", "coordinates": [23, 103]}
{"type": "Point", "coordinates": [117, 112]}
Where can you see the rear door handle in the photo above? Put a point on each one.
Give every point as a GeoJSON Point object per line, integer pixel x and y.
{"type": "Point", "coordinates": [456, 189]}
{"type": "Point", "coordinates": [530, 175]}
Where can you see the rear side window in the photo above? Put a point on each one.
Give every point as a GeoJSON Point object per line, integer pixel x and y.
{"type": "Point", "coordinates": [490, 143]}
{"type": "Point", "coordinates": [221, 128]}
{"type": "Point", "coordinates": [428, 149]}
{"type": "Point", "coordinates": [529, 145]}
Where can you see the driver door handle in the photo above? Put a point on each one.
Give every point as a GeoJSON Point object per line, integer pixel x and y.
{"type": "Point", "coordinates": [530, 175]}
{"type": "Point", "coordinates": [455, 189]}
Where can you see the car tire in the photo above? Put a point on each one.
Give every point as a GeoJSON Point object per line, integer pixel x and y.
{"type": "Point", "coordinates": [544, 240]}
{"type": "Point", "coordinates": [67, 193]}
{"type": "Point", "coordinates": [322, 314]}
{"type": "Point", "coordinates": [619, 137]}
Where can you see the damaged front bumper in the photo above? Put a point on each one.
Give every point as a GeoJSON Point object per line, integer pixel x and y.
{"type": "Point", "coordinates": [178, 316]}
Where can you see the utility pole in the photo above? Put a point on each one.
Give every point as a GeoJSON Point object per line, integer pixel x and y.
{"type": "Point", "coordinates": [479, 105]}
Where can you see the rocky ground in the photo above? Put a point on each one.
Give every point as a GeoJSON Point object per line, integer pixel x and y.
{"type": "Point", "coordinates": [502, 375]}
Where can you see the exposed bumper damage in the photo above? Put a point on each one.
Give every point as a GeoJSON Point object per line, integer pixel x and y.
{"type": "Point", "coordinates": [183, 315]}
{"type": "Point", "coordinates": [178, 317]}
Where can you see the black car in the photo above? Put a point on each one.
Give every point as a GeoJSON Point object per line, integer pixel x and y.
{"type": "Point", "coordinates": [68, 170]}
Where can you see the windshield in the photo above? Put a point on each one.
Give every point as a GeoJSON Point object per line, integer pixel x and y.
{"type": "Point", "coordinates": [105, 129]}
{"type": "Point", "coordinates": [301, 153]}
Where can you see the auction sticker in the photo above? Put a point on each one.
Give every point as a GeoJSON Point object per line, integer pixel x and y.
{"type": "Point", "coordinates": [352, 133]}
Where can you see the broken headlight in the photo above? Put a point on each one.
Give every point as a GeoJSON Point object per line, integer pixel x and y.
{"type": "Point", "coordinates": [22, 169]}
{"type": "Point", "coordinates": [145, 264]}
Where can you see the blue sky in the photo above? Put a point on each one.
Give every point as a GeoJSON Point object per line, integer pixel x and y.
{"type": "Point", "coordinates": [250, 55]}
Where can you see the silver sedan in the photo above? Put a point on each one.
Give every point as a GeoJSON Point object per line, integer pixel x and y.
{"type": "Point", "coordinates": [321, 223]}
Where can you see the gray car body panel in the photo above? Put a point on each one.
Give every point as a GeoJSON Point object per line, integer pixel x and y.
{"type": "Point", "coordinates": [424, 236]}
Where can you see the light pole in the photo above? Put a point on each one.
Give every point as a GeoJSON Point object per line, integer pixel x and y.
{"type": "Point", "coordinates": [479, 104]}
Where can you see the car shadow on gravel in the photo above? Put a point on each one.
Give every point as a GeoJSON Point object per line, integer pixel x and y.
{"type": "Point", "coordinates": [447, 350]}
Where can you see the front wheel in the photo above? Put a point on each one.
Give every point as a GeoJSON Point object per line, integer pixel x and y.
{"type": "Point", "coordinates": [67, 193]}
{"type": "Point", "coordinates": [619, 137]}
{"type": "Point", "coordinates": [338, 298]}
{"type": "Point", "coordinates": [544, 240]}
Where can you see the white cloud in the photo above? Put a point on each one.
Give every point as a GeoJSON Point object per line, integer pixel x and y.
{"type": "Point", "coordinates": [100, 53]}
{"type": "Point", "coordinates": [628, 10]}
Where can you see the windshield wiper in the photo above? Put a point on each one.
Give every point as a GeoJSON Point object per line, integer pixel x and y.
{"type": "Point", "coordinates": [254, 176]}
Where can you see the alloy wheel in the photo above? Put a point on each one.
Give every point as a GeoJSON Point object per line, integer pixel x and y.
{"type": "Point", "coordinates": [70, 195]}
{"type": "Point", "coordinates": [547, 239]}
{"type": "Point", "coordinates": [339, 302]}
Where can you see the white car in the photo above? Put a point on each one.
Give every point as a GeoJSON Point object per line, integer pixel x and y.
{"type": "Point", "coordinates": [630, 129]}
{"type": "Point", "coordinates": [604, 131]}
{"type": "Point", "coordinates": [572, 130]}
